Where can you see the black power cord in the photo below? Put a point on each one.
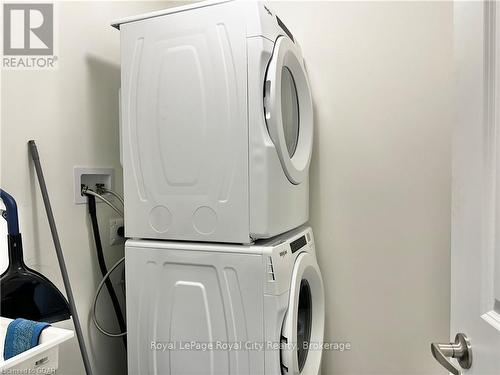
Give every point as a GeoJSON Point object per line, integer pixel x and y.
{"type": "Point", "coordinates": [103, 267]}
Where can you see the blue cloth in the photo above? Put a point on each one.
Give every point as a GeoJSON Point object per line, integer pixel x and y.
{"type": "Point", "coordinates": [22, 334]}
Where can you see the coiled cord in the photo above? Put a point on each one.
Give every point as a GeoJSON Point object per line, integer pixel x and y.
{"type": "Point", "coordinates": [91, 197]}
{"type": "Point", "coordinates": [94, 303]}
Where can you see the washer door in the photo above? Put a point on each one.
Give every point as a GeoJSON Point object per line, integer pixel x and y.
{"type": "Point", "coordinates": [303, 328]}
{"type": "Point", "coordinates": [288, 109]}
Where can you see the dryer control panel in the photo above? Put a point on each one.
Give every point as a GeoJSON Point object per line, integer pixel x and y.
{"type": "Point", "coordinates": [280, 259]}
{"type": "Point", "coordinates": [298, 244]}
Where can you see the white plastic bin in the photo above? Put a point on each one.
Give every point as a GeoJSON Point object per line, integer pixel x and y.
{"type": "Point", "coordinates": [42, 359]}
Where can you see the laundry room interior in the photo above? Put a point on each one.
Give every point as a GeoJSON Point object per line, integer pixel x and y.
{"type": "Point", "coordinates": [155, 130]}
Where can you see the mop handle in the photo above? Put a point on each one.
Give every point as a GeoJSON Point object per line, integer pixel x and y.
{"type": "Point", "coordinates": [60, 257]}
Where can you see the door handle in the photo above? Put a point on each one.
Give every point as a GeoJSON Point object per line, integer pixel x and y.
{"type": "Point", "coordinates": [461, 350]}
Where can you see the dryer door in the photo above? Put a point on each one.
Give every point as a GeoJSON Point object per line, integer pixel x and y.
{"type": "Point", "coordinates": [288, 109]}
{"type": "Point", "coordinates": [303, 327]}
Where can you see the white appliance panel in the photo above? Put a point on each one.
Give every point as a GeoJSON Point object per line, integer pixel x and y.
{"type": "Point", "coordinates": [185, 127]}
{"type": "Point", "coordinates": [176, 297]}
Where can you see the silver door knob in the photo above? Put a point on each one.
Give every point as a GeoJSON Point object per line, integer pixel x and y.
{"type": "Point", "coordinates": [461, 350]}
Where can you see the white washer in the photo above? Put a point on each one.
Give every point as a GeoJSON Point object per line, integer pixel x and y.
{"type": "Point", "coordinates": [217, 124]}
{"type": "Point", "coordinates": [183, 297]}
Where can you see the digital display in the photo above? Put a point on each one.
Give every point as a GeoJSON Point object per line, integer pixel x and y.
{"type": "Point", "coordinates": [298, 244]}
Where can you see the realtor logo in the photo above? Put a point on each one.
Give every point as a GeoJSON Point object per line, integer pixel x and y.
{"type": "Point", "coordinates": [28, 30]}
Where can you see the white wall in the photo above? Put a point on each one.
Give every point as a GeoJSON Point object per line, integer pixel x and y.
{"type": "Point", "coordinates": [72, 113]}
{"type": "Point", "coordinates": [381, 77]}
{"type": "Point", "coordinates": [381, 80]}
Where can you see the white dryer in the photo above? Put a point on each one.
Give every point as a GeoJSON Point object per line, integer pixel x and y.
{"type": "Point", "coordinates": [217, 124]}
{"type": "Point", "coordinates": [225, 309]}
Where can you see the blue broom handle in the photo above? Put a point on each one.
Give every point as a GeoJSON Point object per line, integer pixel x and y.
{"type": "Point", "coordinates": [11, 209]}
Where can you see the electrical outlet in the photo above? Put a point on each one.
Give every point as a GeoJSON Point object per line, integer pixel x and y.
{"type": "Point", "coordinates": [114, 238]}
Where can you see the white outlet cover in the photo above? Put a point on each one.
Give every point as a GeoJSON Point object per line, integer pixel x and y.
{"type": "Point", "coordinates": [91, 177]}
{"type": "Point", "coordinates": [114, 238]}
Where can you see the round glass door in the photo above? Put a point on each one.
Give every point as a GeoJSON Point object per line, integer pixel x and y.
{"type": "Point", "coordinates": [288, 109]}
{"type": "Point", "coordinates": [305, 319]}
{"type": "Point", "coordinates": [304, 322]}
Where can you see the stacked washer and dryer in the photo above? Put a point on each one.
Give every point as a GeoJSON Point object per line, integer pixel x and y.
{"type": "Point", "coordinates": [216, 135]}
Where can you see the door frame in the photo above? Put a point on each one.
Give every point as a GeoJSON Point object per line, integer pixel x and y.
{"type": "Point", "coordinates": [475, 166]}
{"type": "Point", "coordinates": [492, 157]}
